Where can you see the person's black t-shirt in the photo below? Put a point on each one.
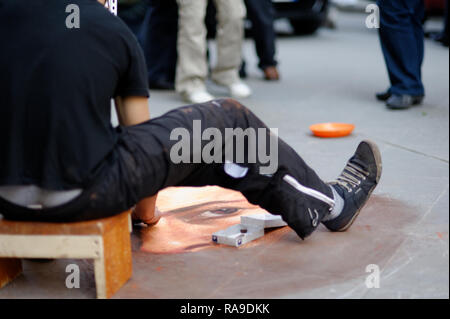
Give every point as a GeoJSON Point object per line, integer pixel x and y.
{"type": "Point", "coordinates": [56, 84]}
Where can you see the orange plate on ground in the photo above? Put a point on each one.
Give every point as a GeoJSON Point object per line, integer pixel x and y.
{"type": "Point", "coordinates": [332, 129]}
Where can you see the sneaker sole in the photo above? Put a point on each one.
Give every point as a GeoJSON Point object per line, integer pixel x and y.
{"type": "Point", "coordinates": [378, 162]}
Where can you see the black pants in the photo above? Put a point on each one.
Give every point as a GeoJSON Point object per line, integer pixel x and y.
{"type": "Point", "coordinates": [141, 165]}
{"type": "Point", "coordinates": [155, 24]}
{"type": "Point", "coordinates": [261, 14]}
{"type": "Point", "coordinates": [159, 40]}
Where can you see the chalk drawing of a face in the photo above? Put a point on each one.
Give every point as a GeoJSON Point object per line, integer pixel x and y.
{"type": "Point", "coordinates": [192, 215]}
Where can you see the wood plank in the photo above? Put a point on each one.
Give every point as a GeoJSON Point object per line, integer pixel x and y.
{"type": "Point", "coordinates": [98, 226]}
{"type": "Point", "coordinates": [10, 268]}
{"type": "Point", "coordinates": [50, 246]}
{"type": "Point", "coordinates": [117, 256]}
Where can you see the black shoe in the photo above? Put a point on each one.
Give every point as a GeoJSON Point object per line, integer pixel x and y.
{"type": "Point", "coordinates": [355, 184]}
{"type": "Point", "coordinates": [243, 70]}
{"type": "Point", "coordinates": [402, 102]}
{"type": "Point", "coordinates": [161, 85]}
{"type": "Point", "coordinates": [383, 96]}
{"type": "Point", "coordinates": [441, 37]}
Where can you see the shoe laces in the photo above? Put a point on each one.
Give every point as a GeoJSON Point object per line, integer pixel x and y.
{"type": "Point", "coordinates": [352, 176]}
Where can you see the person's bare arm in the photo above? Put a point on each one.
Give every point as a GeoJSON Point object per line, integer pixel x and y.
{"type": "Point", "coordinates": [133, 111]}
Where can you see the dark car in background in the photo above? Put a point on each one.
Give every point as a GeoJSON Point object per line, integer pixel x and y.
{"type": "Point", "coordinates": [305, 16]}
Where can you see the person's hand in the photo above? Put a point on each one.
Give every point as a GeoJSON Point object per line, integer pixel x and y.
{"type": "Point", "coordinates": [146, 212]}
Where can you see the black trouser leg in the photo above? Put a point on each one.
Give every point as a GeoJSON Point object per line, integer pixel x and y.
{"type": "Point", "coordinates": [152, 147]}
{"type": "Point", "coordinates": [144, 162]}
{"type": "Point", "coordinates": [159, 37]}
{"type": "Point", "coordinates": [261, 14]}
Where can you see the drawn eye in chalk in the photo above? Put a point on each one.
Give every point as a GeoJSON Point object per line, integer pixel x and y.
{"type": "Point", "coordinates": [219, 212]}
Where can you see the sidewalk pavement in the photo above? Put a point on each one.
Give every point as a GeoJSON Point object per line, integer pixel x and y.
{"type": "Point", "coordinates": [404, 229]}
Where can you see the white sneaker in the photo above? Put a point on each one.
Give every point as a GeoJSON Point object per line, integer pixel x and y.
{"type": "Point", "coordinates": [198, 96]}
{"type": "Point", "coordinates": [240, 90]}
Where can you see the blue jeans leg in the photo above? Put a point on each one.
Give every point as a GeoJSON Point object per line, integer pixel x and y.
{"type": "Point", "coordinates": [402, 42]}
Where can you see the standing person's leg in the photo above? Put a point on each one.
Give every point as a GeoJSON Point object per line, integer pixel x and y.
{"type": "Point", "coordinates": [445, 33]}
{"type": "Point", "coordinates": [159, 39]}
{"type": "Point", "coordinates": [230, 37]}
{"type": "Point", "coordinates": [417, 21]}
{"type": "Point", "coordinates": [261, 14]}
{"type": "Point", "coordinates": [402, 50]}
{"type": "Point", "coordinates": [192, 68]}
{"type": "Point", "coordinates": [133, 14]}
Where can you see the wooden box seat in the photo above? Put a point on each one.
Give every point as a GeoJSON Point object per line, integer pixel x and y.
{"type": "Point", "coordinates": [106, 241]}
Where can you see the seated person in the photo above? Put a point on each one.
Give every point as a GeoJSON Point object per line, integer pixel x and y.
{"type": "Point", "coordinates": [59, 148]}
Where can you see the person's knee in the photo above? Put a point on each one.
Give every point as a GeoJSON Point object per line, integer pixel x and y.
{"type": "Point", "coordinates": [230, 104]}
{"type": "Point", "coordinates": [231, 12]}
{"type": "Point", "coordinates": [227, 21]}
{"type": "Point", "coordinates": [191, 12]}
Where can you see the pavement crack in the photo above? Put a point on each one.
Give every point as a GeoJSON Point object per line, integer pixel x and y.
{"type": "Point", "coordinates": [415, 151]}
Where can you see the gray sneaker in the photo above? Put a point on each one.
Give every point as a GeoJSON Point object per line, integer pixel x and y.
{"type": "Point", "coordinates": [402, 102]}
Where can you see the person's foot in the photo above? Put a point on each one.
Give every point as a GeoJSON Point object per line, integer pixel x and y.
{"type": "Point", "coordinates": [243, 70]}
{"type": "Point", "coordinates": [197, 96]}
{"type": "Point", "coordinates": [402, 102]}
{"type": "Point", "coordinates": [355, 185]}
{"type": "Point", "coordinates": [441, 37]}
{"type": "Point", "coordinates": [271, 74]}
{"type": "Point", "coordinates": [239, 90]}
{"type": "Point", "coordinates": [383, 96]}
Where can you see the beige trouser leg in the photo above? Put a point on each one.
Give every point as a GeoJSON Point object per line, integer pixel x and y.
{"type": "Point", "coordinates": [192, 68]}
{"type": "Point", "coordinates": [230, 36]}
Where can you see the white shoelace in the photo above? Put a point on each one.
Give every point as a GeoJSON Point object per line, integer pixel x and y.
{"type": "Point", "coordinates": [351, 176]}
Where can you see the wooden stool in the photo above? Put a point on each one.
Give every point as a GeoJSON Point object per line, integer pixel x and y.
{"type": "Point", "coordinates": [107, 241]}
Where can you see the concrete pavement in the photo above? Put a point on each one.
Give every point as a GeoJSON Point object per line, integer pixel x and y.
{"type": "Point", "coordinates": [404, 229]}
